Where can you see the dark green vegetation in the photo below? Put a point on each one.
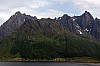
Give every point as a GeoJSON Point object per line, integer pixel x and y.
{"type": "Point", "coordinates": [46, 39]}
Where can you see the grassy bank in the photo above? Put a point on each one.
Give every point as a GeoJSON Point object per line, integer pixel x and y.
{"type": "Point", "coordinates": [85, 59]}
{"type": "Point", "coordinates": [75, 59]}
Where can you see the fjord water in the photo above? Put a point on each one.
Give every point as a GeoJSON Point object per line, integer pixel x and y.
{"type": "Point", "coordinates": [47, 64]}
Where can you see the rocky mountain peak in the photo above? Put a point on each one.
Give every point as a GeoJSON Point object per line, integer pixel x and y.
{"type": "Point", "coordinates": [85, 20]}
{"type": "Point", "coordinates": [14, 23]}
{"type": "Point", "coordinates": [79, 25]}
{"type": "Point", "coordinates": [65, 16]}
{"type": "Point", "coordinates": [86, 12]}
{"type": "Point", "coordinates": [96, 19]}
{"type": "Point", "coordinates": [18, 12]}
{"type": "Point", "coordinates": [87, 15]}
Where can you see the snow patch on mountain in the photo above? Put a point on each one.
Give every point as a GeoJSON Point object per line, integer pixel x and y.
{"type": "Point", "coordinates": [74, 19]}
{"type": "Point", "coordinates": [86, 30]}
{"type": "Point", "coordinates": [24, 20]}
{"type": "Point", "coordinates": [80, 32]}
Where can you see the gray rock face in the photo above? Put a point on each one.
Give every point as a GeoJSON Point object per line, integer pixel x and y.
{"type": "Point", "coordinates": [13, 23]}
{"type": "Point", "coordinates": [85, 20]}
{"type": "Point", "coordinates": [83, 25]}
{"type": "Point", "coordinates": [96, 28]}
{"type": "Point", "coordinates": [69, 23]}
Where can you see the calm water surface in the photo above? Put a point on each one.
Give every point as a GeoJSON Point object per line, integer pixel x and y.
{"type": "Point", "coordinates": [47, 64]}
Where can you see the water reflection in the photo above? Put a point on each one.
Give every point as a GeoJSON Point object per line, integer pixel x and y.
{"type": "Point", "coordinates": [47, 64]}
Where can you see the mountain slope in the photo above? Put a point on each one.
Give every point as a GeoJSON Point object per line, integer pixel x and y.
{"type": "Point", "coordinates": [27, 37]}
{"type": "Point", "coordinates": [14, 23]}
{"type": "Point", "coordinates": [83, 25]}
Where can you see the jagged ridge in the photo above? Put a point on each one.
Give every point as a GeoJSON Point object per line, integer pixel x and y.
{"type": "Point", "coordinates": [84, 25]}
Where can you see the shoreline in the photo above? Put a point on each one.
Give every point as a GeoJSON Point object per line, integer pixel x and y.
{"type": "Point", "coordinates": [51, 61]}
{"type": "Point", "coordinates": [79, 60]}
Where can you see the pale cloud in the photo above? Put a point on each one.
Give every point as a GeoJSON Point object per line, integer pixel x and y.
{"type": "Point", "coordinates": [51, 13]}
{"type": "Point", "coordinates": [61, 1]}
{"type": "Point", "coordinates": [32, 7]}
{"type": "Point", "coordinates": [9, 7]}
{"type": "Point", "coordinates": [93, 6]}
{"type": "Point", "coordinates": [87, 4]}
{"type": "Point", "coordinates": [4, 16]}
{"type": "Point", "coordinates": [38, 4]}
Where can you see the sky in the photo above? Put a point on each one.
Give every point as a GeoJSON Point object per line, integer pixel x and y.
{"type": "Point", "coordinates": [48, 8]}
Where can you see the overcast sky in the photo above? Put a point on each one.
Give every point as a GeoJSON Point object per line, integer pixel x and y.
{"type": "Point", "coordinates": [48, 8]}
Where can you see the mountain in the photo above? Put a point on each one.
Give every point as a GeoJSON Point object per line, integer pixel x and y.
{"type": "Point", "coordinates": [77, 24]}
{"type": "Point", "coordinates": [95, 31]}
{"type": "Point", "coordinates": [32, 38]}
{"type": "Point", "coordinates": [14, 23]}
{"type": "Point", "coordinates": [83, 25]}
